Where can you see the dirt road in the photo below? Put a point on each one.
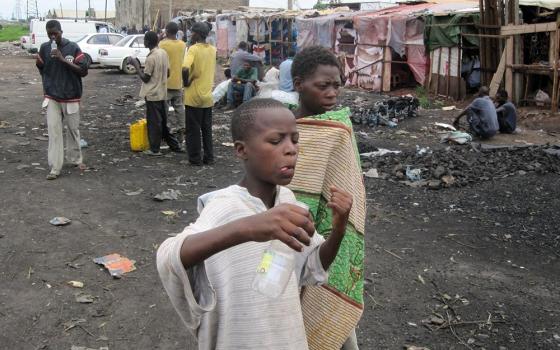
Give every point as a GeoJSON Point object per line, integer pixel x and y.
{"type": "Point", "coordinates": [472, 266]}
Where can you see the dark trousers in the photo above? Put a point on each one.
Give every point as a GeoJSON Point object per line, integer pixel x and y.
{"type": "Point", "coordinates": [477, 127]}
{"type": "Point", "coordinates": [199, 121]}
{"type": "Point", "coordinates": [156, 116]}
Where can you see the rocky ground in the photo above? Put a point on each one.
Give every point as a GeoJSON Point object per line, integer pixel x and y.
{"type": "Point", "coordinates": [466, 257]}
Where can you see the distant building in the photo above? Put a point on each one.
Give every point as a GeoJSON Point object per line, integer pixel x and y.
{"type": "Point", "coordinates": [140, 12]}
{"type": "Point", "coordinates": [81, 14]}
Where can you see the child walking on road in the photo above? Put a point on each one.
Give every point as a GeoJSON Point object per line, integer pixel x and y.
{"type": "Point", "coordinates": [208, 269]}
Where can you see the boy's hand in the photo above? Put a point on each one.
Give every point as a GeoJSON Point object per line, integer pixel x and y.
{"type": "Point", "coordinates": [340, 204]}
{"type": "Point", "coordinates": [286, 222]}
{"type": "Point", "coordinates": [55, 53]}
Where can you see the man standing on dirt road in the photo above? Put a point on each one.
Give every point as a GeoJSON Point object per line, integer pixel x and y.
{"type": "Point", "coordinates": [198, 76]}
{"type": "Point", "coordinates": [176, 52]}
{"type": "Point", "coordinates": [62, 66]}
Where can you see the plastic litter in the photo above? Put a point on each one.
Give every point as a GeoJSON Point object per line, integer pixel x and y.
{"type": "Point", "coordinates": [372, 173]}
{"type": "Point", "coordinates": [446, 126]}
{"type": "Point", "coordinates": [169, 195]}
{"type": "Point", "coordinates": [116, 264]}
{"type": "Point", "coordinates": [420, 151]}
{"type": "Point", "coordinates": [457, 137]}
{"type": "Point", "coordinates": [413, 174]}
{"type": "Point", "coordinates": [60, 221]}
{"type": "Point", "coordinates": [83, 143]}
{"type": "Point", "coordinates": [380, 152]}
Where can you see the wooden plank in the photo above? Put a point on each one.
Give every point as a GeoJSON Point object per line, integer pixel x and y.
{"type": "Point", "coordinates": [509, 62]}
{"type": "Point", "coordinates": [514, 29]}
{"type": "Point", "coordinates": [551, 47]}
{"type": "Point", "coordinates": [448, 71]}
{"type": "Point", "coordinates": [438, 71]}
{"type": "Point", "coordinates": [498, 76]}
{"type": "Point", "coordinates": [554, 106]}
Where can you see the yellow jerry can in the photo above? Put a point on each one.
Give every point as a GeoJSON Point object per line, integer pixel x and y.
{"type": "Point", "coordinates": [139, 136]}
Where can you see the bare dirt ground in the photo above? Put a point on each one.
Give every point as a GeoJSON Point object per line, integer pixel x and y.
{"type": "Point", "coordinates": [470, 266]}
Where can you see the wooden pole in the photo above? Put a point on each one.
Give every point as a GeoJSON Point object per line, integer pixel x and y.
{"type": "Point", "coordinates": [387, 58]}
{"type": "Point", "coordinates": [459, 61]}
{"type": "Point", "coordinates": [448, 71]}
{"type": "Point", "coordinates": [438, 71]}
{"type": "Point", "coordinates": [554, 106]}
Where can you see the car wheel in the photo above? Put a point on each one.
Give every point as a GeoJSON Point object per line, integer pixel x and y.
{"type": "Point", "coordinates": [128, 68]}
{"type": "Point", "coordinates": [88, 60]}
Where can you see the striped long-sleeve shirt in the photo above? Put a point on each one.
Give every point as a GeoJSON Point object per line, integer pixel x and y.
{"type": "Point", "coordinates": [215, 299]}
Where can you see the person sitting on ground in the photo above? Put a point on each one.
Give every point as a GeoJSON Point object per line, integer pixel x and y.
{"type": "Point", "coordinates": [207, 270]}
{"type": "Point", "coordinates": [331, 158]}
{"type": "Point", "coordinates": [154, 91]}
{"type": "Point", "coordinates": [243, 82]}
{"type": "Point", "coordinates": [241, 56]}
{"type": "Point", "coordinates": [62, 69]}
{"type": "Point", "coordinates": [286, 83]}
{"type": "Point", "coordinates": [175, 50]}
{"type": "Point", "coordinates": [220, 91]}
{"type": "Point", "coordinates": [506, 112]}
{"type": "Point", "coordinates": [481, 115]}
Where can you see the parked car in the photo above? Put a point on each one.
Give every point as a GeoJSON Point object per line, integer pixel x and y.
{"type": "Point", "coordinates": [25, 41]}
{"type": "Point", "coordinates": [91, 43]}
{"type": "Point", "coordinates": [73, 30]}
{"type": "Point", "coordinates": [116, 56]}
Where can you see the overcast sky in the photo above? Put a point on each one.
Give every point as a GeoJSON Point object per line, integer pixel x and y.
{"type": "Point", "coordinates": [8, 6]}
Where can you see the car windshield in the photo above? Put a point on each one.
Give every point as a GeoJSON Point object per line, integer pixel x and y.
{"type": "Point", "coordinates": [124, 40]}
{"type": "Point", "coordinates": [82, 38]}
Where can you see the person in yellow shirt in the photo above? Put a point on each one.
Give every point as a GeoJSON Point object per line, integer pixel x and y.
{"type": "Point", "coordinates": [198, 76]}
{"type": "Point", "coordinates": [176, 52]}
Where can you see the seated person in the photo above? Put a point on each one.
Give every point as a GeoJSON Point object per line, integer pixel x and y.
{"type": "Point", "coordinates": [286, 73]}
{"type": "Point", "coordinates": [507, 115]}
{"type": "Point", "coordinates": [220, 91]}
{"type": "Point", "coordinates": [481, 115]}
{"type": "Point", "coordinates": [243, 82]}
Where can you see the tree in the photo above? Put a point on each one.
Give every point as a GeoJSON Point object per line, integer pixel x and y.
{"type": "Point", "coordinates": [320, 5]}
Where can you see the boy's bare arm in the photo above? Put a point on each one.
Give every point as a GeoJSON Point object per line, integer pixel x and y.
{"type": "Point", "coordinates": [341, 204]}
{"type": "Point", "coordinates": [287, 223]}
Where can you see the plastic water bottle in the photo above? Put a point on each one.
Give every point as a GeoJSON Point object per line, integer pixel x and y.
{"type": "Point", "coordinates": [276, 268]}
{"type": "Point", "coordinates": [53, 45]}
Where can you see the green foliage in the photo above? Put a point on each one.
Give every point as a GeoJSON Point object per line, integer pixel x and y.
{"type": "Point", "coordinates": [423, 98]}
{"type": "Point", "coordinates": [320, 5]}
{"type": "Point", "coordinates": [13, 32]}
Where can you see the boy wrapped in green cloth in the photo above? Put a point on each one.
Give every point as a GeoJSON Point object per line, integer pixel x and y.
{"type": "Point", "coordinates": [329, 157]}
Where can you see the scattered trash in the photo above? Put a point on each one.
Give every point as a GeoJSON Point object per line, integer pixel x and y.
{"type": "Point", "coordinates": [555, 151]}
{"type": "Point", "coordinates": [412, 324]}
{"type": "Point", "coordinates": [387, 112]}
{"type": "Point", "coordinates": [134, 193]}
{"type": "Point", "coordinates": [228, 144]}
{"type": "Point", "coordinates": [409, 347]}
{"type": "Point", "coordinates": [421, 279]}
{"type": "Point", "coordinates": [83, 143]}
{"type": "Point", "coordinates": [41, 138]}
{"type": "Point", "coordinates": [422, 151]}
{"type": "Point", "coordinates": [169, 213]}
{"type": "Point", "coordinates": [76, 284]}
{"type": "Point", "coordinates": [401, 132]}
{"type": "Point", "coordinates": [437, 320]}
{"type": "Point", "coordinates": [372, 173]}
{"type": "Point", "coordinates": [4, 124]}
{"type": "Point", "coordinates": [169, 195]}
{"type": "Point", "coordinates": [22, 166]}
{"type": "Point", "coordinates": [413, 174]}
{"type": "Point", "coordinates": [60, 221]}
{"type": "Point", "coordinates": [116, 264]}
{"type": "Point", "coordinates": [541, 98]}
{"type": "Point", "coordinates": [457, 137]}
{"type": "Point", "coordinates": [380, 152]}
{"type": "Point", "coordinates": [139, 103]}
{"type": "Point", "coordinates": [448, 180]}
{"type": "Point", "coordinates": [448, 108]}
{"type": "Point", "coordinates": [20, 133]}
{"type": "Point", "coordinates": [446, 126]}
{"type": "Point", "coordinates": [84, 298]}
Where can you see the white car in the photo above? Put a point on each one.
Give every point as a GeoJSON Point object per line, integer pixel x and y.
{"type": "Point", "coordinates": [116, 56]}
{"type": "Point", "coordinates": [91, 43]}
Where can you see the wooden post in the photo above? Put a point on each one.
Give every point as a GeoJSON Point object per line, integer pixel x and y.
{"type": "Point", "coordinates": [459, 65]}
{"type": "Point", "coordinates": [509, 62]}
{"type": "Point", "coordinates": [554, 105]}
{"type": "Point", "coordinates": [448, 72]}
{"type": "Point", "coordinates": [438, 70]}
{"type": "Point", "coordinates": [387, 58]}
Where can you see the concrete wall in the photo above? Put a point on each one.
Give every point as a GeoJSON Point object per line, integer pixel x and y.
{"type": "Point", "coordinates": [129, 12]}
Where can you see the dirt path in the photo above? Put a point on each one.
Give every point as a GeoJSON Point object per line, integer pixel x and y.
{"type": "Point", "coordinates": [486, 253]}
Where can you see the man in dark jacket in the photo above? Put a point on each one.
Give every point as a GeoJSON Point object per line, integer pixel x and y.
{"type": "Point", "coordinates": [62, 66]}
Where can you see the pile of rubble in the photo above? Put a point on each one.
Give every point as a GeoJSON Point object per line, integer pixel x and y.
{"type": "Point", "coordinates": [462, 166]}
{"type": "Point", "coordinates": [387, 112]}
